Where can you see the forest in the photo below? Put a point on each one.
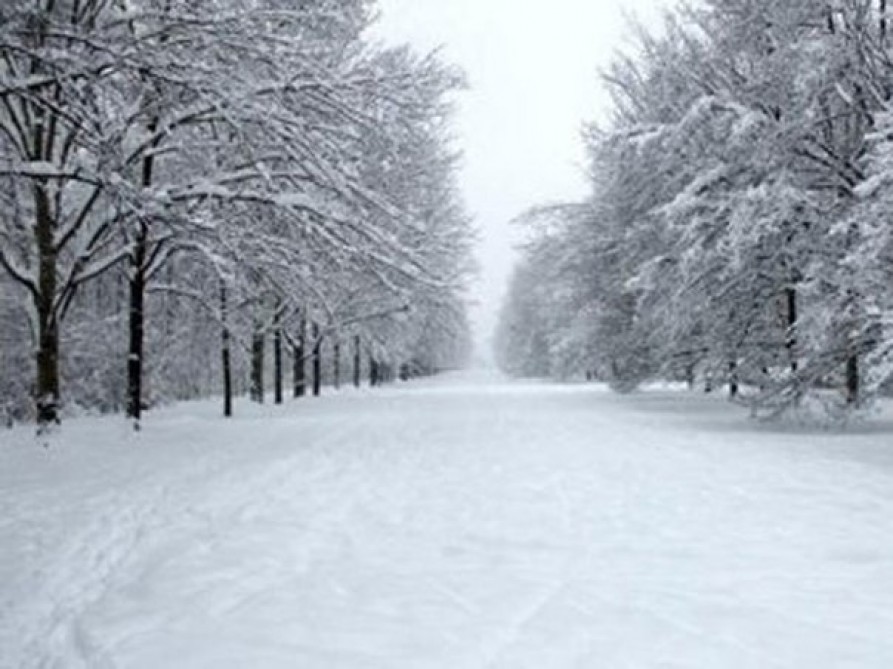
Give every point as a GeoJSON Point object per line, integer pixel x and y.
{"type": "Point", "coordinates": [220, 197]}
{"type": "Point", "coordinates": [738, 228]}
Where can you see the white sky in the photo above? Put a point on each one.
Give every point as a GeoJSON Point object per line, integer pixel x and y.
{"type": "Point", "coordinates": [533, 70]}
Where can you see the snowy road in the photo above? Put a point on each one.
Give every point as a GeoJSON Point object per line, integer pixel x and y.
{"type": "Point", "coordinates": [448, 524]}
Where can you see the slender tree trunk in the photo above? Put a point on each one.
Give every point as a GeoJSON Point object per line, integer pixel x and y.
{"type": "Point", "coordinates": [277, 357]}
{"type": "Point", "coordinates": [690, 376]}
{"type": "Point", "coordinates": [336, 364]}
{"type": "Point", "coordinates": [137, 314]}
{"type": "Point", "coordinates": [373, 372]}
{"type": "Point", "coordinates": [357, 361]}
{"type": "Point", "coordinates": [300, 364]}
{"type": "Point", "coordinates": [47, 356]}
{"type": "Point", "coordinates": [852, 380]}
{"type": "Point", "coordinates": [733, 379]}
{"type": "Point", "coordinates": [317, 361]}
{"type": "Point", "coordinates": [137, 281]}
{"type": "Point", "coordinates": [791, 335]}
{"type": "Point", "coordinates": [882, 10]}
{"type": "Point", "coordinates": [225, 354]}
{"type": "Point", "coordinates": [257, 364]}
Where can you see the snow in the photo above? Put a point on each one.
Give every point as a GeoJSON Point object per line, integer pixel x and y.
{"type": "Point", "coordinates": [461, 522]}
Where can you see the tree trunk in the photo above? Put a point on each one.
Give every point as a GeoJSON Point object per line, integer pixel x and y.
{"type": "Point", "coordinates": [47, 390]}
{"type": "Point", "coordinates": [138, 268]}
{"type": "Point", "coordinates": [373, 372]}
{"type": "Point", "coordinates": [852, 380]}
{"type": "Point", "coordinates": [225, 355]}
{"type": "Point", "coordinates": [47, 395]}
{"type": "Point", "coordinates": [791, 335]}
{"type": "Point", "coordinates": [257, 364]}
{"type": "Point", "coordinates": [357, 361]}
{"type": "Point", "coordinates": [733, 379]}
{"type": "Point", "coordinates": [137, 317]}
{"type": "Point", "coordinates": [317, 361]}
{"type": "Point", "coordinates": [300, 367]}
{"type": "Point", "coordinates": [277, 358]}
{"type": "Point", "coordinates": [336, 364]}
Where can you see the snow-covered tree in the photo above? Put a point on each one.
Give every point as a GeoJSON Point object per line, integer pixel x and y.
{"type": "Point", "coordinates": [736, 191]}
{"type": "Point", "coordinates": [243, 166]}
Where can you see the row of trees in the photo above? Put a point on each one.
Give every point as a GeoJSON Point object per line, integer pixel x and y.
{"type": "Point", "coordinates": [739, 225]}
{"type": "Point", "coordinates": [180, 182]}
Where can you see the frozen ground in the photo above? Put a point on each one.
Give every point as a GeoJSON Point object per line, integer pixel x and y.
{"type": "Point", "coordinates": [448, 524]}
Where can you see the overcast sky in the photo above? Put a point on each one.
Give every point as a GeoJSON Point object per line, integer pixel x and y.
{"type": "Point", "coordinates": [533, 70]}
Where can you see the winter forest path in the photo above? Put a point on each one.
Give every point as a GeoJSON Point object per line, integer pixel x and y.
{"type": "Point", "coordinates": [460, 522]}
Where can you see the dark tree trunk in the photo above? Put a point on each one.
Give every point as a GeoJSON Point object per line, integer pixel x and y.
{"type": "Point", "coordinates": [47, 390]}
{"type": "Point", "coordinates": [733, 379]}
{"type": "Point", "coordinates": [137, 314]}
{"type": "Point", "coordinates": [882, 10]}
{"type": "Point", "coordinates": [374, 379]}
{"type": "Point", "coordinates": [47, 399]}
{"type": "Point", "coordinates": [336, 365]}
{"type": "Point", "coordinates": [257, 365]}
{"type": "Point", "coordinates": [852, 380]}
{"type": "Point", "coordinates": [357, 361]}
{"type": "Point", "coordinates": [225, 354]}
{"type": "Point", "coordinates": [277, 358]}
{"type": "Point", "coordinates": [137, 317]}
{"type": "Point", "coordinates": [300, 363]}
{"type": "Point", "coordinates": [791, 335]}
{"type": "Point", "coordinates": [317, 361]}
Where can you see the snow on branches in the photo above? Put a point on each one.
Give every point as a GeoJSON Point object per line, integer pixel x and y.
{"type": "Point", "coordinates": [157, 155]}
{"type": "Point", "coordinates": [736, 230]}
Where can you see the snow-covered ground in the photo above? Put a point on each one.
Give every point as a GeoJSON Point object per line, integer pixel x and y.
{"type": "Point", "coordinates": [450, 524]}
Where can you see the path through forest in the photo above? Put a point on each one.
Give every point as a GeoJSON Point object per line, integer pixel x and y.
{"type": "Point", "coordinates": [460, 522]}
